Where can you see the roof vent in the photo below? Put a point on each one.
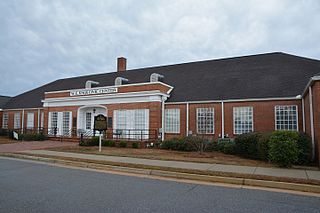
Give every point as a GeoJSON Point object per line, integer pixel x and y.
{"type": "Point", "coordinates": [155, 77]}
{"type": "Point", "coordinates": [90, 84]}
{"type": "Point", "coordinates": [119, 81]}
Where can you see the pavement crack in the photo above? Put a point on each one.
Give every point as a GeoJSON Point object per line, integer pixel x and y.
{"type": "Point", "coordinates": [192, 188]}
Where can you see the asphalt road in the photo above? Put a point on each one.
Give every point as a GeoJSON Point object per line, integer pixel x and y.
{"type": "Point", "coordinates": [33, 187]}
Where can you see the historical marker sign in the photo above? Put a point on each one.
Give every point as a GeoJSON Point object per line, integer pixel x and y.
{"type": "Point", "coordinates": [100, 122]}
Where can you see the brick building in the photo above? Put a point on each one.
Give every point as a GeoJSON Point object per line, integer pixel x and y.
{"type": "Point", "coordinates": [216, 98]}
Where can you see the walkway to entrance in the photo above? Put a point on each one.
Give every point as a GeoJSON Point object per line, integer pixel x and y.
{"type": "Point", "coordinates": [31, 145]}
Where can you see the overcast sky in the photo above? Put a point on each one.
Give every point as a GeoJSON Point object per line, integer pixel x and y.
{"type": "Point", "coordinates": [41, 41]}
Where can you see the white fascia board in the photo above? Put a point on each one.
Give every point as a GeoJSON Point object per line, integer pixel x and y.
{"type": "Point", "coordinates": [106, 96]}
{"type": "Point", "coordinates": [137, 97]}
{"type": "Point", "coordinates": [19, 109]}
{"type": "Point", "coordinates": [236, 100]}
{"type": "Point", "coordinates": [312, 79]}
{"type": "Point", "coordinates": [106, 87]}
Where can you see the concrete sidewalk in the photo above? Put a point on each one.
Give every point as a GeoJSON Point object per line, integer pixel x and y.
{"type": "Point", "coordinates": [275, 172]}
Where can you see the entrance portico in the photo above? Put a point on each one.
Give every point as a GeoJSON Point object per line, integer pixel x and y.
{"type": "Point", "coordinates": [86, 116]}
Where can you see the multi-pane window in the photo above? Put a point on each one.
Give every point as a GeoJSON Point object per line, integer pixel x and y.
{"type": "Point", "coordinates": [131, 123]}
{"type": "Point", "coordinates": [286, 118]}
{"type": "Point", "coordinates": [242, 120]}
{"type": "Point", "coordinates": [16, 120]}
{"type": "Point", "coordinates": [205, 120]}
{"type": "Point", "coordinates": [66, 123]}
{"type": "Point", "coordinates": [172, 120]}
{"type": "Point", "coordinates": [54, 120]}
{"type": "Point", "coordinates": [30, 120]}
{"type": "Point", "coordinates": [5, 119]}
{"type": "Point", "coordinates": [88, 120]}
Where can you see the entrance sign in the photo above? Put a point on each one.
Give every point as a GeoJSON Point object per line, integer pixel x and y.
{"type": "Point", "coordinates": [100, 124]}
{"type": "Point", "coordinates": [94, 91]}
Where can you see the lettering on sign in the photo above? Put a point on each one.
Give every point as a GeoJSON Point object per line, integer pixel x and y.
{"type": "Point", "coordinates": [100, 122]}
{"type": "Point", "coordinates": [93, 91]}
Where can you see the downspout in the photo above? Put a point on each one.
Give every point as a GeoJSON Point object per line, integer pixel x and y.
{"type": "Point", "coordinates": [222, 119]}
{"type": "Point", "coordinates": [22, 124]}
{"type": "Point", "coordinates": [303, 116]}
{"type": "Point", "coordinates": [38, 120]}
{"type": "Point", "coordinates": [187, 119]}
{"type": "Point", "coordinates": [162, 118]}
{"type": "Point", "coordinates": [311, 122]}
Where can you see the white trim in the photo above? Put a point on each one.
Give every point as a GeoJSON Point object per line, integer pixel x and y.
{"type": "Point", "coordinates": [162, 118]}
{"type": "Point", "coordinates": [236, 100]}
{"type": "Point", "coordinates": [22, 124]}
{"type": "Point", "coordinates": [20, 109]}
{"type": "Point", "coordinates": [312, 79]}
{"type": "Point", "coordinates": [139, 97]}
{"type": "Point", "coordinates": [222, 119]}
{"type": "Point", "coordinates": [303, 117]}
{"type": "Point", "coordinates": [187, 119]}
{"type": "Point", "coordinates": [125, 85]}
{"type": "Point", "coordinates": [311, 122]}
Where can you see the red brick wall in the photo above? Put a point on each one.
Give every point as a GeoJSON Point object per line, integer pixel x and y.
{"type": "Point", "coordinates": [121, 89]}
{"type": "Point", "coordinates": [263, 116]}
{"type": "Point", "coordinates": [154, 111]}
{"type": "Point", "coordinates": [11, 117]}
{"type": "Point", "coordinates": [316, 116]}
{"type": "Point", "coordinates": [1, 112]}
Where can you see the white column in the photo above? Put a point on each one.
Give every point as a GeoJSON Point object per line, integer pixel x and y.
{"type": "Point", "coordinates": [222, 119]}
{"type": "Point", "coordinates": [311, 122]}
{"type": "Point", "coordinates": [22, 123]}
{"type": "Point", "coordinates": [162, 117]}
{"type": "Point", "coordinates": [187, 119]}
{"type": "Point", "coordinates": [38, 120]}
{"type": "Point", "coordinates": [303, 116]}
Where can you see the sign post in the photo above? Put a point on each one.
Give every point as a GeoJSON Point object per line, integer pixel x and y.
{"type": "Point", "coordinates": [100, 124]}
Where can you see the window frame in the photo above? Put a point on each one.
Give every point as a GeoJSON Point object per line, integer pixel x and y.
{"type": "Point", "coordinates": [297, 117]}
{"type": "Point", "coordinates": [17, 117]}
{"type": "Point", "coordinates": [178, 123]}
{"type": "Point", "coordinates": [33, 124]}
{"type": "Point", "coordinates": [5, 122]}
{"type": "Point", "coordinates": [233, 118]}
{"type": "Point", "coordinates": [206, 132]}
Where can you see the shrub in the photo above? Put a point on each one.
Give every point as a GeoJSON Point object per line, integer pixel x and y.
{"type": "Point", "coordinates": [178, 144]}
{"type": "Point", "coordinates": [212, 146]}
{"type": "Point", "coordinates": [305, 149]}
{"type": "Point", "coordinates": [194, 143]}
{"type": "Point", "coordinates": [226, 146]}
{"type": "Point", "coordinates": [247, 145]}
{"type": "Point", "coordinates": [32, 137]}
{"type": "Point", "coordinates": [94, 141]}
{"type": "Point", "coordinates": [263, 146]}
{"type": "Point", "coordinates": [135, 145]}
{"type": "Point", "coordinates": [122, 144]}
{"type": "Point", "coordinates": [283, 148]}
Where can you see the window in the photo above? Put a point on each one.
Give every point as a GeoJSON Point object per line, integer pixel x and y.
{"type": "Point", "coordinates": [242, 120]}
{"type": "Point", "coordinates": [42, 119]}
{"type": "Point", "coordinates": [54, 120]}
{"type": "Point", "coordinates": [172, 120]}
{"type": "Point", "coordinates": [286, 118]}
{"type": "Point", "coordinates": [16, 120]}
{"type": "Point", "coordinates": [66, 123]}
{"type": "Point", "coordinates": [30, 120]}
{"type": "Point", "coordinates": [205, 120]}
{"type": "Point", "coordinates": [88, 120]}
{"type": "Point", "coordinates": [5, 121]}
{"type": "Point", "coordinates": [132, 123]}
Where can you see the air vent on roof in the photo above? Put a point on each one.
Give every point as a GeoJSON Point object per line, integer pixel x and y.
{"type": "Point", "coordinates": [90, 84]}
{"type": "Point", "coordinates": [119, 81]}
{"type": "Point", "coordinates": [155, 77]}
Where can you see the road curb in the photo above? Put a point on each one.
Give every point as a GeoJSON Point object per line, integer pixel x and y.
{"type": "Point", "coordinates": [170, 174]}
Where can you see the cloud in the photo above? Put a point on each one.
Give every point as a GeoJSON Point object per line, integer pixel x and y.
{"type": "Point", "coordinates": [41, 41]}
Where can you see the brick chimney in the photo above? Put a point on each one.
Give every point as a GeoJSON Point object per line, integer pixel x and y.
{"type": "Point", "coordinates": [122, 64]}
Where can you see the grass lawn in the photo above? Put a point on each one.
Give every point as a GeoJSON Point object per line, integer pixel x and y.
{"type": "Point", "coordinates": [160, 154]}
{"type": "Point", "coordinates": [6, 140]}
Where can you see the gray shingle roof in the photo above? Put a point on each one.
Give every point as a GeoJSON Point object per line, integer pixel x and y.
{"type": "Point", "coordinates": [257, 76]}
{"type": "Point", "coordinates": [3, 100]}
